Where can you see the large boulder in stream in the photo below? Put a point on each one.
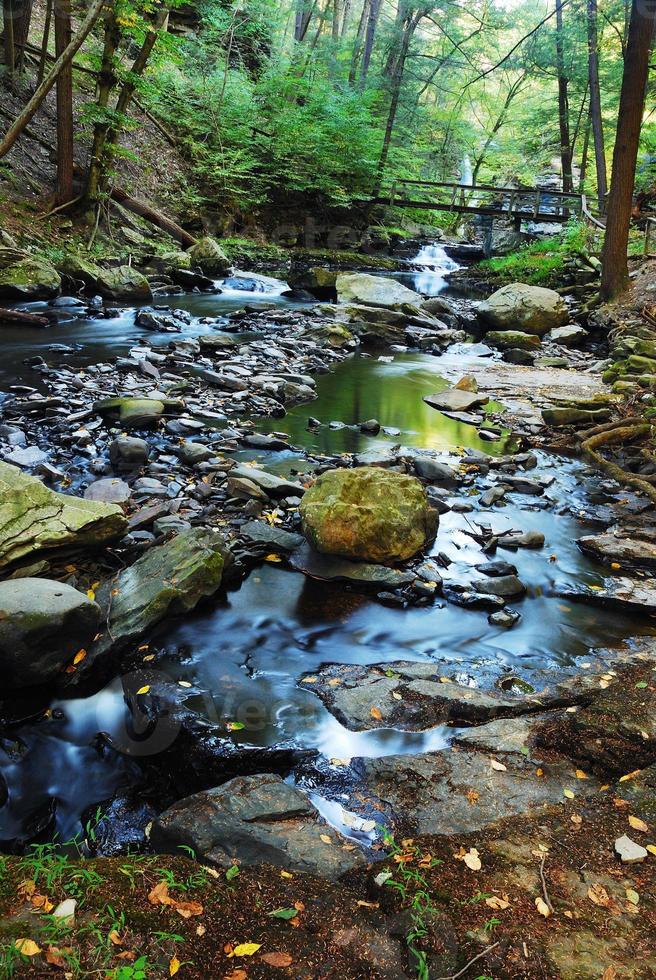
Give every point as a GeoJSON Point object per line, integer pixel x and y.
{"type": "Point", "coordinates": [43, 625]}
{"type": "Point", "coordinates": [255, 819]}
{"type": "Point", "coordinates": [210, 258]}
{"type": "Point", "coordinates": [122, 283]}
{"type": "Point", "coordinates": [31, 278]}
{"type": "Point", "coordinates": [529, 309]}
{"type": "Point", "coordinates": [34, 519]}
{"type": "Point", "coordinates": [368, 514]}
{"type": "Point", "coordinates": [375, 291]}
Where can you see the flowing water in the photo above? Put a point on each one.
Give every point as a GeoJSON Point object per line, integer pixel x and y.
{"type": "Point", "coordinates": [243, 653]}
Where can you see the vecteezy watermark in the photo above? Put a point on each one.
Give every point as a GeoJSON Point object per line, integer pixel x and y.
{"type": "Point", "coordinates": [158, 710]}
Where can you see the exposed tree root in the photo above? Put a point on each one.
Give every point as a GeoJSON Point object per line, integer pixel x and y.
{"type": "Point", "coordinates": [615, 437]}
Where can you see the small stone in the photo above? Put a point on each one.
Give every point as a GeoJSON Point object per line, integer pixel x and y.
{"type": "Point", "coordinates": [28, 457]}
{"type": "Point", "coordinates": [110, 491]}
{"type": "Point", "coordinates": [629, 851]}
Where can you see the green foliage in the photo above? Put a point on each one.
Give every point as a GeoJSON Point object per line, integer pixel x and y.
{"type": "Point", "coordinates": [541, 263]}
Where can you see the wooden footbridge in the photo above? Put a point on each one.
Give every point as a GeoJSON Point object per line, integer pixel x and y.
{"type": "Point", "coordinates": [515, 204]}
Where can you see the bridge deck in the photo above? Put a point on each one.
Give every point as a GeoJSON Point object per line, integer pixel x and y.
{"type": "Point", "coordinates": [527, 214]}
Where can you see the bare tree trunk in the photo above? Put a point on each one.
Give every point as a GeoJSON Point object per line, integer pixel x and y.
{"type": "Point", "coordinates": [63, 33]}
{"type": "Point", "coordinates": [410, 25]}
{"type": "Point", "coordinates": [357, 44]}
{"type": "Point", "coordinates": [595, 106]}
{"type": "Point", "coordinates": [370, 37]}
{"type": "Point", "coordinates": [44, 43]}
{"type": "Point", "coordinates": [9, 47]}
{"type": "Point", "coordinates": [46, 85]}
{"type": "Point", "coordinates": [304, 15]}
{"type": "Point", "coordinates": [563, 102]}
{"type": "Point", "coordinates": [615, 270]}
{"type": "Point", "coordinates": [22, 21]}
{"type": "Point", "coordinates": [584, 156]}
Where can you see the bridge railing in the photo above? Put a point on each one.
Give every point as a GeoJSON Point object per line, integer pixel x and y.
{"type": "Point", "coordinates": [485, 198]}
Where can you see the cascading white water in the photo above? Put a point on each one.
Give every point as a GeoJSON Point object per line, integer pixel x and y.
{"type": "Point", "coordinates": [434, 264]}
{"type": "Point", "coordinates": [242, 283]}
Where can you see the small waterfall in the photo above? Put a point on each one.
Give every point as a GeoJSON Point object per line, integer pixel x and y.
{"type": "Point", "coordinates": [466, 173]}
{"type": "Point", "coordinates": [433, 263]}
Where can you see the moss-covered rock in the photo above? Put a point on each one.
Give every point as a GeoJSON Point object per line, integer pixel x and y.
{"type": "Point", "coordinates": [208, 255]}
{"type": "Point", "coordinates": [531, 309]}
{"type": "Point", "coordinates": [512, 340]}
{"type": "Point", "coordinates": [375, 291]}
{"type": "Point", "coordinates": [124, 283]}
{"type": "Point", "coordinates": [34, 519]}
{"type": "Point", "coordinates": [135, 413]}
{"type": "Point", "coordinates": [81, 270]}
{"type": "Point", "coordinates": [368, 514]}
{"type": "Point", "coordinates": [28, 279]}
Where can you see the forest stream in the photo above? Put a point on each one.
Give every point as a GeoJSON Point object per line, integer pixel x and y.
{"type": "Point", "coordinates": [239, 657]}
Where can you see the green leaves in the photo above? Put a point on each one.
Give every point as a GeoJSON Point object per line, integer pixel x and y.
{"type": "Point", "coordinates": [284, 914]}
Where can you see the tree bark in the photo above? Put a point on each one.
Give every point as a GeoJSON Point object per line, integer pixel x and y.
{"type": "Point", "coordinates": [20, 318]}
{"type": "Point", "coordinates": [43, 58]}
{"type": "Point", "coordinates": [106, 84]}
{"type": "Point", "coordinates": [9, 47]}
{"type": "Point", "coordinates": [63, 33]}
{"type": "Point", "coordinates": [563, 102]}
{"type": "Point", "coordinates": [357, 44]}
{"type": "Point", "coordinates": [370, 37]}
{"type": "Point", "coordinates": [22, 21]}
{"type": "Point", "coordinates": [615, 271]}
{"type": "Point", "coordinates": [46, 85]}
{"type": "Point", "coordinates": [596, 120]}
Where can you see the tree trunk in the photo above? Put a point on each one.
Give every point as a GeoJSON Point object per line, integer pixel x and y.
{"type": "Point", "coordinates": [409, 28]}
{"type": "Point", "coordinates": [22, 21]}
{"type": "Point", "coordinates": [43, 59]}
{"type": "Point", "coordinates": [595, 106]}
{"type": "Point", "coordinates": [563, 102]}
{"type": "Point", "coordinates": [584, 156]}
{"type": "Point", "coordinates": [109, 142]}
{"type": "Point", "coordinates": [9, 48]}
{"type": "Point", "coordinates": [304, 14]}
{"type": "Point", "coordinates": [370, 37]}
{"type": "Point", "coordinates": [106, 84]}
{"type": "Point", "coordinates": [46, 85]}
{"type": "Point", "coordinates": [63, 33]}
{"type": "Point", "coordinates": [615, 271]}
{"type": "Point", "coordinates": [357, 44]}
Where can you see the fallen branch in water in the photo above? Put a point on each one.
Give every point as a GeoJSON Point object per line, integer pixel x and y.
{"type": "Point", "coordinates": [615, 437]}
{"type": "Point", "coordinates": [20, 318]}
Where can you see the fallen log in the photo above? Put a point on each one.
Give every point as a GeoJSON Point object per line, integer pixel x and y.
{"type": "Point", "coordinates": [155, 217]}
{"type": "Point", "coordinates": [20, 318]}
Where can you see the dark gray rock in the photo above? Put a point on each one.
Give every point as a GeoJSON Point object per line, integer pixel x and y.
{"type": "Point", "coordinates": [43, 625]}
{"type": "Point", "coordinates": [328, 568]}
{"type": "Point", "coordinates": [127, 453]}
{"type": "Point", "coordinates": [276, 538]}
{"type": "Point", "coordinates": [255, 819]}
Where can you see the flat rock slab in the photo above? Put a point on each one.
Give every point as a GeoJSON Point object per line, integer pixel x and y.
{"type": "Point", "coordinates": [276, 538]}
{"type": "Point", "coordinates": [625, 594]}
{"type": "Point", "coordinates": [456, 400]}
{"type": "Point", "coordinates": [256, 819]}
{"type": "Point", "coordinates": [328, 568]}
{"type": "Point", "coordinates": [609, 549]}
{"type": "Point", "coordinates": [272, 485]}
{"type": "Point", "coordinates": [406, 695]}
{"type": "Point", "coordinates": [460, 791]}
{"type": "Point", "coordinates": [34, 519]}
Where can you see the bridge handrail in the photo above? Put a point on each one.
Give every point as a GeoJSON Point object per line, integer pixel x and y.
{"type": "Point", "coordinates": [488, 187]}
{"type": "Point", "coordinates": [588, 215]}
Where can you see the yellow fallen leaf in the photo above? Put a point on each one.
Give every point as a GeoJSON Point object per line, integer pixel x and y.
{"type": "Point", "coordinates": [598, 895]}
{"type": "Point", "coordinates": [246, 949]}
{"type": "Point", "coordinates": [542, 907]}
{"type": "Point", "coordinates": [174, 966]}
{"type": "Point", "coordinates": [632, 896]}
{"type": "Point", "coordinates": [27, 947]}
{"type": "Point", "coordinates": [497, 903]}
{"type": "Point", "coordinates": [200, 930]}
{"type": "Point", "coordinates": [286, 874]}
{"type": "Point", "coordinates": [115, 938]}
{"type": "Point", "coordinates": [630, 775]}
{"type": "Point", "coordinates": [638, 824]}
{"type": "Point", "coordinates": [273, 558]}
{"type": "Point", "coordinates": [651, 848]}
{"type": "Point", "coordinates": [580, 774]}
{"type": "Point", "coordinates": [79, 657]}
{"type": "Point", "coordinates": [377, 714]}
{"type": "Point", "coordinates": [326, 839]}
{"type": "Point", "coordinates": [569, 794]}
{"type": "Point", "coordinates": [144, 690]}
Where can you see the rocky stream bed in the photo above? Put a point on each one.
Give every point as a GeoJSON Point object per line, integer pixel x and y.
{"type": "Point", "coordinates": [196, 651]}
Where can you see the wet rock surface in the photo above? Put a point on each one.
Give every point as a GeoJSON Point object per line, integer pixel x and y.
{"type": "Point", "coordinates": [253, 819]}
